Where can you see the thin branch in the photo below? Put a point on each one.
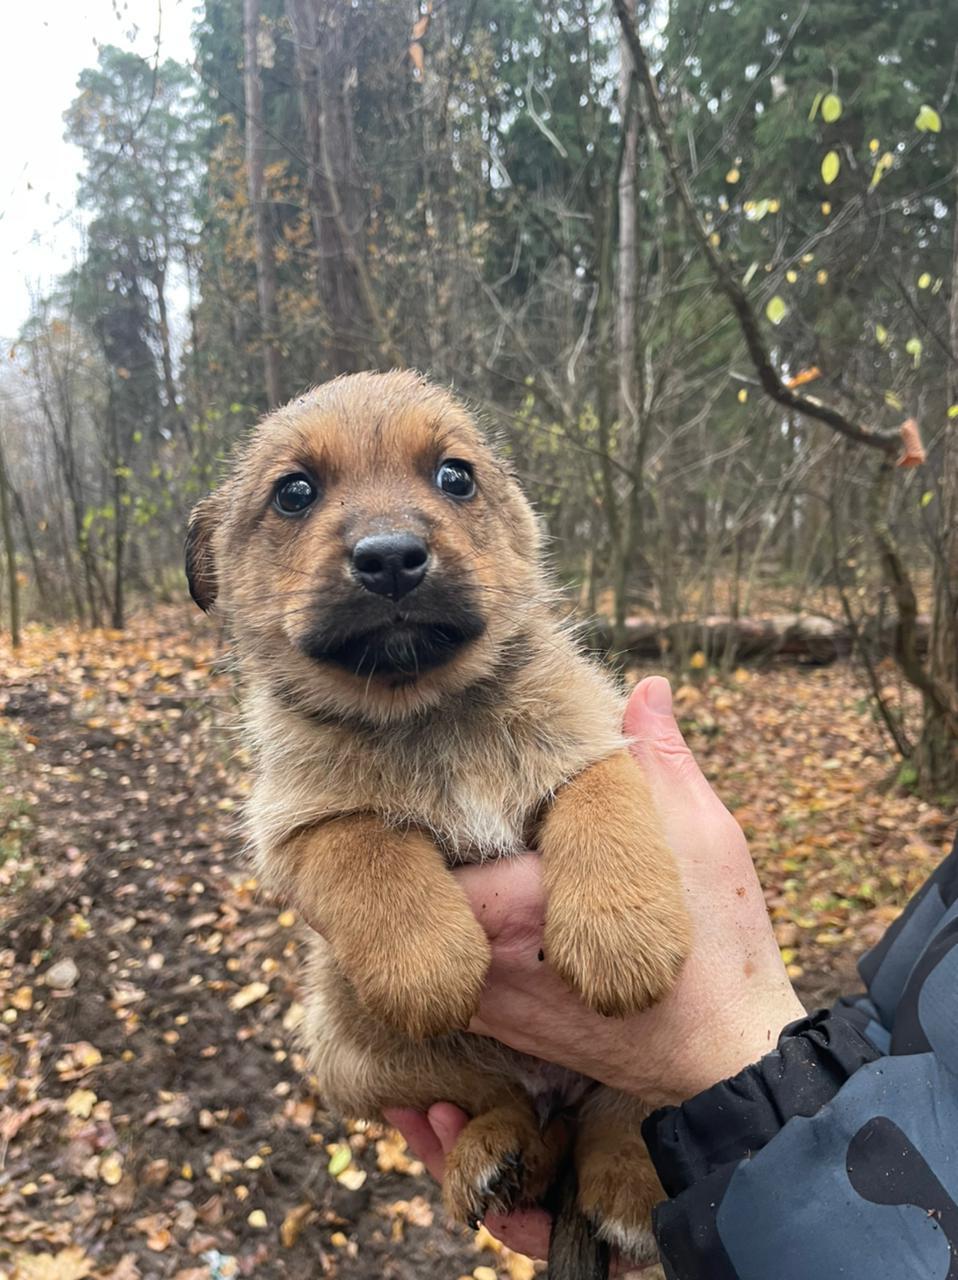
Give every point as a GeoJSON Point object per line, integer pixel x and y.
{"type": "Point", "coordinates": [809, 406]}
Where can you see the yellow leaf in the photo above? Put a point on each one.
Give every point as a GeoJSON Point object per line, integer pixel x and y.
{"type": "Point", "coordinates": [774, 205]}
{"type": "Point", "coordinates": [882, 166]}
{"type": "Point", "coordinates": [742, 395]}
{"type": "Point", "coordinates": [928, 120]}
{"type": "Point", "coordinates": [698, 661]}
{"type": "Point", "coordinates": [893, 400]}
{"type": "Point", "coordinates": [881, 334]}
{"type": "Point", "coordinates": [776, 310]}
{"type": "Point", "coordinates": [831, 108]}
{"type": "Point", "coordinates": [111, 1169]}
{"type": "Point", "coordinates": [927, 497]}
{"type": "Point", "coordinates": [519, 1266]}
{"type": "Point", "coordinates": [791, 276]}
{"type": "Point", "coordinates": [830, 167]}
{"type": "Point", "coordinates": [953, 411]}
{"type": "Point", "coordinates": [80, 1103]}
{"type": "Point", "coordinates": [732, 176]}
{"type": "Point", "coordinates": [924, 280]}
{"type": "Point", "coordinates": [68, 1264]}
{"type": "Point", "coordinates": [826, 208]}
{"type": "Point", "coordinates": [249, 995]}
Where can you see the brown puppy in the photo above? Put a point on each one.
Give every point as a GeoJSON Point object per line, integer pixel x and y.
{"type": "Point", "coordinates": [412, 704]}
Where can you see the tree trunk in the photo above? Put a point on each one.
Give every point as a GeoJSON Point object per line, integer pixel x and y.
{"type": "Point", "coordinates": [255, 163]}
{"type": "Point", "coordinates": [358, 332]}
{"type": "Point", "coordinates": [9, 550]}
{"type": "Point", "coordinates": [937, 755]}
{"type": "Point", "coordinates": [166, 354]}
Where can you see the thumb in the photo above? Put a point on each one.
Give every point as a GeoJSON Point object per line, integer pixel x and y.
{"type": "Point", "coordinates": [656, 740]}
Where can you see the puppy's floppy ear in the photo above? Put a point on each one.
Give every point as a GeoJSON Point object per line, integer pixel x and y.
{"type": "Point", "coordinates": [200, 564]}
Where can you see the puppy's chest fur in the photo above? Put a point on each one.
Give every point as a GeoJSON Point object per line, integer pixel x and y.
{"type": "Point", "coordinates": [477, 774]}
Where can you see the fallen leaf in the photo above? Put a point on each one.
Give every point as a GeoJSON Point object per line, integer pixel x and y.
{"type": "Point", "coordinates": [80, 1103]}
{"type": "Point", "coordinates": [249, 995]}
{"type": "Point", "coordinates": [68, 1264]}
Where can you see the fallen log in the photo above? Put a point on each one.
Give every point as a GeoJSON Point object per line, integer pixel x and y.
{"type": "Point", "coordinates": [797, 637]}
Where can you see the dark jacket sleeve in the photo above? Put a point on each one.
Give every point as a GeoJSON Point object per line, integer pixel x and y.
{"type": "Point", "coordinates": [836, 1155]}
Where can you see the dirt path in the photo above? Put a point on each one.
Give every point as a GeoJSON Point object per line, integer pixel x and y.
{"type": "Point", "coordinates": [156, 1122]}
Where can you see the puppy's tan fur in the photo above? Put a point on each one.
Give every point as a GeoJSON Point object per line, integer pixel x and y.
{"type": "Point", "coordinates": [370, 787]}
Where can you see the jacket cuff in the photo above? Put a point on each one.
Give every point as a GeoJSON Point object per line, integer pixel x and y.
{"type": "Point", "coordinates": [737, 1117]}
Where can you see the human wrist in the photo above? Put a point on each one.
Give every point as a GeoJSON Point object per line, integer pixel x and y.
{"type": "Point", "coordinates": [732, 1038]}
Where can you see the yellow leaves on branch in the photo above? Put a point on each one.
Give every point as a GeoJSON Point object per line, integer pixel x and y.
{"type": "Point", "coordinates": [831, 166]}
{"type": "Point", "coordinates": [928, 120]}
{"type": "Point", "coordinates": [830, 104]}
{"type": "Point", "coordinates": [776, 310]}
{"type": "Point", "coordinates": [882, 165]}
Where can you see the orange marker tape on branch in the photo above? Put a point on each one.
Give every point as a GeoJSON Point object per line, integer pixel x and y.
{"type": "Point", "coordinates": [803, 376]}
{"type": "Point", "coordinates": [914, 454]}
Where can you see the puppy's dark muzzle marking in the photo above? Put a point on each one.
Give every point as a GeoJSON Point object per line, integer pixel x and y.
{"type": "Point", "coordinates": [367, 634]}
{"type": "Point", "coordinates": [390, 564]}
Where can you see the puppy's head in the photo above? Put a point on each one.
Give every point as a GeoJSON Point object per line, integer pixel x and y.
{"type": "Point", "coordinates": [371, 550]}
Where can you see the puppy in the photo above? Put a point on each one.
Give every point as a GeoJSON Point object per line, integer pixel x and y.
{"type": "Point", "coordinates": [413, 704]}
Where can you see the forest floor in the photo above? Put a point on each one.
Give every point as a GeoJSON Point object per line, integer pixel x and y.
{"type": "Point", "coordinates": [154, 1118]}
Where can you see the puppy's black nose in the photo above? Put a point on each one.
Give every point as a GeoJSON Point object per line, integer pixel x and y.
{"type": "Point", "coordinates": [390, 564]}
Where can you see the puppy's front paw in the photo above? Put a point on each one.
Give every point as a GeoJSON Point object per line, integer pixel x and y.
{"type": "Point", "coordinates": [429, 982]}
{"type": "Point", "coordinates": [619, 952]}
{"type": "Point", "coordinates": [500, 1160]}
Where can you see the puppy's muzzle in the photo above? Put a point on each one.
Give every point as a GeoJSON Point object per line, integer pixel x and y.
{"type": "Point", "coordinates": [390, 564]}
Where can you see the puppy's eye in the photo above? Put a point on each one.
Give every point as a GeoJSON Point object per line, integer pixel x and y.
{"type": "Point", "coordinates": [455, 478]}
{"type": "Point", "coordinates": [293, 494]}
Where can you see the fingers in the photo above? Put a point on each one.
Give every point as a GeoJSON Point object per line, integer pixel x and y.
{"type": "Point", "coordinates": [447, 1122]}
{"type": "Point", "coordinates": [657, 741]}
{"type": "Point", "coordinates": [420, 1137]}
{"type": "Point", "coordinates": [523, 1231]}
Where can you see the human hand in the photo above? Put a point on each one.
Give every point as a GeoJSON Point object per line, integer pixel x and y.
{"type": "Point", "coordinates": [732, 999]}
{"type": "Point", "coordinates": [733, 996]}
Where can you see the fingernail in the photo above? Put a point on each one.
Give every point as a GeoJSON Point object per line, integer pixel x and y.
{"type": "Point", "coordinates": [658, 696]}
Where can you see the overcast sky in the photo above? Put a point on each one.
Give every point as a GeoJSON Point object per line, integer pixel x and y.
{"type": "Point", "coordinates": [45, 46]}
